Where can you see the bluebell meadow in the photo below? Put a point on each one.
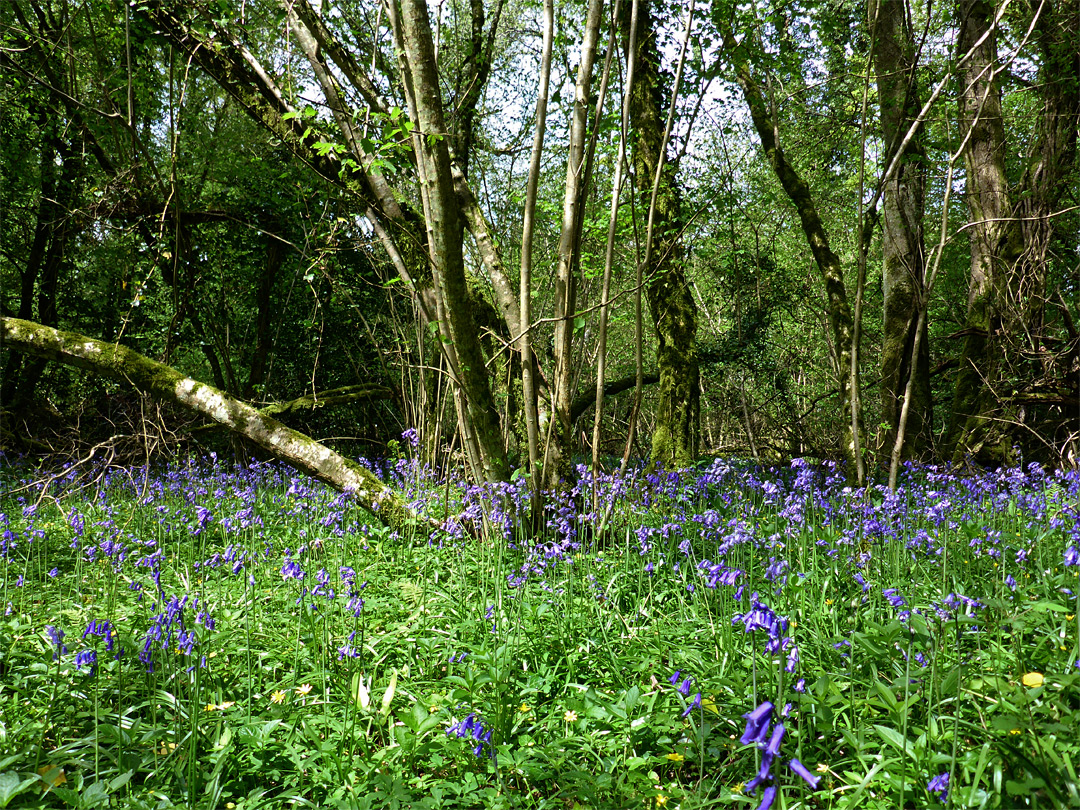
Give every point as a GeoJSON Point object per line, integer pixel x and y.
{"type": "Point", "coordinates": [203, 635]}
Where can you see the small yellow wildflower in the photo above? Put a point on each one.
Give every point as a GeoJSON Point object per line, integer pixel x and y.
{"type": "Point", "coordinates": [675, 757]}
{"type": "Point", "coordinates": [1015, 731]}
{"type": "Point", "coordinates": [569, 716]}
{"type": "Point", "coordinates": [661, 800]}
{"type": "Point", "coordinates": [278, 696]}
{"type": "Point", "coordinates": [1033, 679]}
{"type": "Point", "coordinates": [822, 768]}
{"type": "Point", "coordinates": [220, 707]}
{"type": "Point", "coordinates": [304, 689]}
{"type": "Point", "coordinates": [524, 707]}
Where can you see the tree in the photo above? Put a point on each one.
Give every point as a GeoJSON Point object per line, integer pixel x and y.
{"type": "Point", "coordinates": [164, 383]}
{"type": "Point", "coordinates": [1008, 363]}
{"type": "Point", "coordinates": [903, 252]}
{"type": "Point", "coordinates": [674, 313]}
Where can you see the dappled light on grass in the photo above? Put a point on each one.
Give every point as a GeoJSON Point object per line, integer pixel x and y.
{"type": "Point", "coordinates": [197, 635]}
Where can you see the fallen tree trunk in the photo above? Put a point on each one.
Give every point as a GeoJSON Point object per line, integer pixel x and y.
{"type": "Point", "coordinates": [164, 383]}
{"type": "Point", "coordinates": [332, 398]}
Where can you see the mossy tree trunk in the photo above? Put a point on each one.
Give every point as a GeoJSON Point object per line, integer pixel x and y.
{"type": "Point", "coordinates": [445, 228]}
{"type": "Point", "coordinates": [674, 313]}
{"type": "Point", "coordinates": [903, 251]}
{"type": "Point", "coordinates": [1010, 232]}
{"type": "Point", "coordinates": [169, 385]}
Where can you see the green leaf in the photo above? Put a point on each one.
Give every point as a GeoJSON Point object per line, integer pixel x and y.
{"type": "Point", "coordinates": [11, 786]}
{"type": "Point", "coordinates": [896, 740]}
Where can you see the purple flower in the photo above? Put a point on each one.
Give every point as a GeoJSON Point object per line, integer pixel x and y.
{"type": "Point", "coordinates": [801, 770]}
{"type": "Point", "coordinates": [773, 746]}
{"type": "Point", "coordinates": [684, 687]}
{"type": "Point", "coordinates": [57, 636]}
{"type": "Point", "coordinates": [694, 704]}
{"type": "Point", "coordinates": [1072, 555]}
{"type": "Point", "coordinates": [757, 724]}
{"type": "Point", "coordinates": [939, 785]}
{"type": "Point", "coordinates": [675, 677]}
{"type": "Point", "coordinates": [767, 797]}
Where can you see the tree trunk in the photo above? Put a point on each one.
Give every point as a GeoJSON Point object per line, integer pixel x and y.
{"type": "Point", "coordinates": [557, 461]}
{"type": "Point", "coordinates": [674, 313]}
{"type": "Point", "coordinates": [168, 385]}
{"type": "Point", "coordinates": [445, 230]}
{"type": "Point", "coordinates": [903, 252]}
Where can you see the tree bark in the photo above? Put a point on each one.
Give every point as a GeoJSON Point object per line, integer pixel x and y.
{"type": "Point", "coordinates": [445, 231]}
{"type": "Point", "coordinates": [557, 462]}
{"type": "Point", "coordinates": [674, 312]}
{"type": "Point", "coordinates": [168, 385]}
{"type": "Point", "coordinates": [903, 252]}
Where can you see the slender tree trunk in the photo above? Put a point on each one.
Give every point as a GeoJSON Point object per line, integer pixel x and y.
{"type": "Point", "coordinates": [903, 251]}
{"type": "Point", "coordinates": [445, 230]}
{"type": "Point", "coordinates": [674, 312]}
{"type": "Point", "coordinates": [529, 387]}
{"type": "Point", "coordinates": [972, 428]}
{"type": "Point", "coordinates": [275, 257]}
{"type": "Point", "coordinates": [557, 454]}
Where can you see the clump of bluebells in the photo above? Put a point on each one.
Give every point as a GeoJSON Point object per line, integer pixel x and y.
{"type": "Point", "coordinates": [768, 735]}
{"type": "Point", "coordinates": [475, 729]}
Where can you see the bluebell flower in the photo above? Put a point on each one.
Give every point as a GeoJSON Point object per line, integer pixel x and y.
{"type": "Point", "coordinates": [801, 770]}
{"type": "Point", "coordinates": [939, 785]}
{"type": "Point", "coordinates": [684, 687]}
{"type": "Point", "coordinates": [757, 724]}
{"type": "Point", "coordinates": [694, 704]}
{"type": "Point", "coordinates": [57, 636]}
{"type": "Point", "coordinates": [767, 797]}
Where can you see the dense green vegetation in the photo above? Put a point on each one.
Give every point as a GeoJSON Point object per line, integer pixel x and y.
{"type": "Point", "coordinates": [201, 637]}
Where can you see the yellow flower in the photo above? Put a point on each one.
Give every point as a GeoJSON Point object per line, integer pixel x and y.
{"type": "Point", "coordinates": [1033, 679]}
{"type": "Point", "coordinates": [822, 768]}
{"type": "Point", "coordinates": [569, 716]}
{"type": "Point", "coordinates": [278, 696]}
{"type": "Point", "coordinates": [675, 757]}
{"type": "Point", "coordinates": [661, 800]}
{"type": "Point", "coordinates": [304, 689]}
{"type": "Point", "coordinates": [1015, 731]}
{"type": "Point", "coordinates": [220, 707]}
{"type": "Point", "coordinates": [524, 707]}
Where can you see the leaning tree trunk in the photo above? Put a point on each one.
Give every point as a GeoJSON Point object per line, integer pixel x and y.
{"type": "Point", "coordinates": [838, 311]}
{"type": "Point", "coordinates": [903, 254]}
{"type": "Point", "coordinates": [166, 384]}
{"type": "Point", "coordinates": [674, 442]}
